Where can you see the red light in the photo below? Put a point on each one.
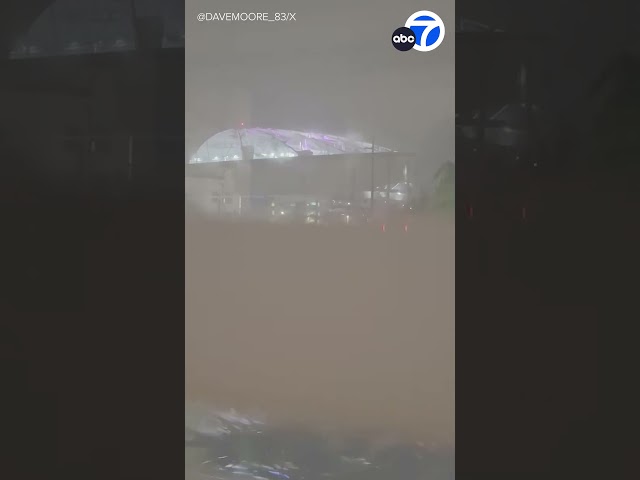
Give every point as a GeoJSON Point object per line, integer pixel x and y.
{"type": "Point", "coordinates": [242, 124]}
{"type": "Point", "coordinates": [406, 228]}
{"type": "Point", "coordinates": [470, 211]}
{"type": "Point", "coordinates": [384, 227]}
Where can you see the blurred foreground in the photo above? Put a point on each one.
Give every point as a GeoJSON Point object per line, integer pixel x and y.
{"type": "Point", "coordinates": [223, 444]}
{"type": "Point", "coordinates": [343, 330]}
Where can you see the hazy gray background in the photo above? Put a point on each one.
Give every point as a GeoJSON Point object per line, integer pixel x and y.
{"type": "Point", "coordinates": [340, 328]}
{"type": "Point", "coordinates": [334, 69]}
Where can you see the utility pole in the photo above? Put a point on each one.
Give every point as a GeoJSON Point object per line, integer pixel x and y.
{"type": "Point", "coordinates": [388, 193]}
{"type": "Point", "coordinates": [241, 144]}
{"type": "Point", "coordinates": [372, 174]}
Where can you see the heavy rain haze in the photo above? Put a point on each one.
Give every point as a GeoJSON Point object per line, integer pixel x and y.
{"type": "Point", "coordinates": [333, 70]}
{"type": "Point", "coordinates": [348, 329]}
{"type": "Point", "coordinates": [337, 328]}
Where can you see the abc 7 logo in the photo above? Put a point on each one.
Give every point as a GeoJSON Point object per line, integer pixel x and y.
{"type": "Point", "coordinates": [403, 39]}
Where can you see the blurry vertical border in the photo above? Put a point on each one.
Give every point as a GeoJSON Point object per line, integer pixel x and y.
{"type": "Point", "coordinates": [95, 245]}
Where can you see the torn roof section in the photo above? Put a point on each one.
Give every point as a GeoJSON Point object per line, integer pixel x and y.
{"type": "Point", "coordinates": [231, 144]}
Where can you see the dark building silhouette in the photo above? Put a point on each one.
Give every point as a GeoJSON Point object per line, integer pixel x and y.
{"type": "Point", "coordinates": [85, 93]}
{"type": "Point", "coordinates": [91, 185]}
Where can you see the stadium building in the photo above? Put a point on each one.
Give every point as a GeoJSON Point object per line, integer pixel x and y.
{"type": "Point", "coordinates": [273, 172]}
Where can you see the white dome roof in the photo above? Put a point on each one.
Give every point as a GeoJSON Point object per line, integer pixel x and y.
{"type": "Point", "coordinates": [272, 143]}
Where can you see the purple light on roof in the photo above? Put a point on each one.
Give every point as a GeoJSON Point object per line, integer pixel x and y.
{"type": "Point", "coordinates": [286, 143]}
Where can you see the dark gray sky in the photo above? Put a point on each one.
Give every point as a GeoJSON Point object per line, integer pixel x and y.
{"type": "Point", "coordinates": [333, 69]}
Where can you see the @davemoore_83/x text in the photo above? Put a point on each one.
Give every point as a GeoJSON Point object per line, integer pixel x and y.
{"type": "Point", "coordinates": [246, 17]}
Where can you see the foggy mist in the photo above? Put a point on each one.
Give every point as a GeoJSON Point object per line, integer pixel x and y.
{"type": "Point", "coordinates": [347, 329]}
{"type": "Point", "coordinates": [332, 70]}
{"type": "Point", "coordinates": [340, 328]}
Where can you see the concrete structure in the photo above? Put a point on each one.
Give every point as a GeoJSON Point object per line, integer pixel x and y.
{"type": "Point", "coordinates": [244, 169]}
{"type": "Point", "coordinates": [102, 122]}
{"type": "Point", "coordinates": [244, 184]}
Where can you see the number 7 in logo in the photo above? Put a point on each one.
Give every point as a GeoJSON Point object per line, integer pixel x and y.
{"type": "Point", "coordinates": [428, 28]}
